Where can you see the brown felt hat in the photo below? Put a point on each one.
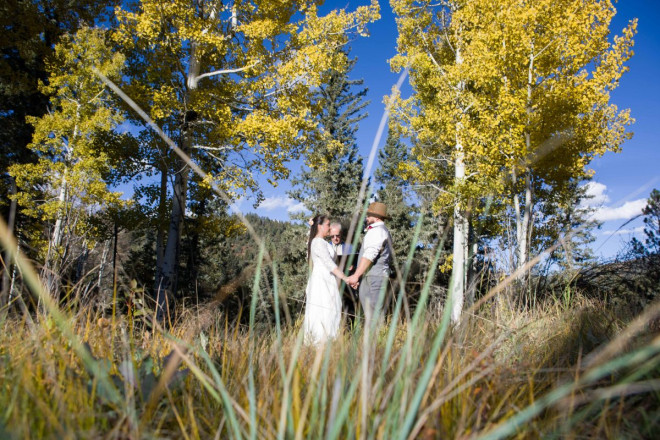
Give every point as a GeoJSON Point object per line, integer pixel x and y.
{"type": "Point", "coordinates": [378, 209]}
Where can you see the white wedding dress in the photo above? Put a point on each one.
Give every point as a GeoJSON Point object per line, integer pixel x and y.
{"type": "Point", "coordinates": [323, 303]}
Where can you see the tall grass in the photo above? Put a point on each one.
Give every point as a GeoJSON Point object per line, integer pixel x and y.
{"type": "Point", "coordinates": [549, 372]}
{"type": "Point", "coordinates": [556, 370]}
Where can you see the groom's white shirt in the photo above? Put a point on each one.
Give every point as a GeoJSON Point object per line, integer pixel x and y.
{"type": "Point", "coordinates": [374, 240]}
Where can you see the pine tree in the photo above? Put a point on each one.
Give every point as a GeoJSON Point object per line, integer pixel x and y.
{"type": "Point", "coordinates": [651, 245]}
{"type": "Point", "coordinates": [392, 192]}
{"type": "Point", "coordinates": [29, 31]}
{"type": "Point", "coordinates": [563, 218]}
{"type": "Point", "coordinates": [330, 181]}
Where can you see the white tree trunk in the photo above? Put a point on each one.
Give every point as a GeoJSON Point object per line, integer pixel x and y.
{"type": "Point", "coordinates": [523, 222]}
{"type": "Point", "coordinates": [461, 230]}
{"type": "Point", "coordinates": [525, 225]}
{"type": "Point", "coordinates": [461, 225]}
{"type": "Point", "coordinates": [471, 264]}
{"type": "Point", "coordinates": [162, 213]}
{"type": "Point", "coordinates": [6, 276]}
{"type": "Point", "coordinates": [167, 271]}
{"type": "Point", "coordinates": [166, 279]}
{"type": "Point", "coordinates": [56, 239]}
{"type": "Point", "coordinates": [51, 265]}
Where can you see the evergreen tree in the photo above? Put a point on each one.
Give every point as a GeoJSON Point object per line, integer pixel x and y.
{"type": "Point", "coordinates": [565, 219]}
{"type": "Point", "coordinates": [651, 214]}
{"type": "Point", "coordinates": [330, 180]}
{"type": "Point", "coordinates": [391, 191]}
{"type": "Point", "coordinates": [405, 204]}
{"type": "Point", "coordinates": [28, 33]}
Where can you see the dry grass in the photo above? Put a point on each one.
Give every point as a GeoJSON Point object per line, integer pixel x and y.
{"type": "Point", "coordinates": [522, 374]}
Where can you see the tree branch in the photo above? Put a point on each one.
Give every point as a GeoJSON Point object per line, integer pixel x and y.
{"type": "Point", "coordinates": [195, 79]}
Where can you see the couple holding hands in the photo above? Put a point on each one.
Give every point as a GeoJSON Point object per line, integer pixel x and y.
{"type": "Point", "coordinates": [323, 302]}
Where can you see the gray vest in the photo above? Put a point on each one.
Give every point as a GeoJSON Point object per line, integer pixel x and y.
{"type": "Point", "coordinates": [382, 264]}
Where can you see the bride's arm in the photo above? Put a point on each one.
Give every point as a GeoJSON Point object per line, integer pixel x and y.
{"type": "Point", "coordinates": [322, 251]}
{"type": "Point", "coordinates": [339, 274]}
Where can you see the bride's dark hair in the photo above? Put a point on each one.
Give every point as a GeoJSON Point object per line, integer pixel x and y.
{"type": "Point", "coordinates": [316, 221]}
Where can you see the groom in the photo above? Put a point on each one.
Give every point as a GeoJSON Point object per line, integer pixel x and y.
{"type": "Point", "coordinates": [374, 262]}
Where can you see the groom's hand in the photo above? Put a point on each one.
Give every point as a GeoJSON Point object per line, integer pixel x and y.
{"type": "Point", "coordinates": [353, 281]}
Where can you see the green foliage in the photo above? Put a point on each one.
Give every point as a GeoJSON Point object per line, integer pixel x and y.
{"type": "Point", "coordinates": [229, 272]}
{"type": "Point", "coordinates": [391, 191]}
{"type": "Point", "coordinates": [562, 217]}
{"type": "Point", "coordinates": [66, 187]}
{"type": "Point", "coordinates": [651, 214]}
{"type": "Point", "coordinates": [137, 377]}
{"type": "Point", "coordinates": [218, 258]}
{"type": "Point", "coordinates": [330, 182]}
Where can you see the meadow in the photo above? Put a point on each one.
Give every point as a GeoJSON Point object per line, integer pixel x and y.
{"type": "Point", "coordinates": [193, 107]}
{"type": "Point", "coordinates": [569, 367]}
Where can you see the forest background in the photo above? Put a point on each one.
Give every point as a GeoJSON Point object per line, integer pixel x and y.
{"type": "Point", "coordinates": [482, 151]}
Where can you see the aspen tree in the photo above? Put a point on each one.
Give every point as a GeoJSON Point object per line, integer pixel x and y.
{"type": "Point", "coordinates": [508, 96]}
{"type": "Point", "coordinates": [66, 185]}
{"type": "Point", "coordinates": [442, 118]}
{"type": "Point", "coordinates": [231, 84]}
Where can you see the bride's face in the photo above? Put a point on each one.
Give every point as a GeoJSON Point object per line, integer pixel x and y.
{"type": "Point", "coordinates": [323, 228]}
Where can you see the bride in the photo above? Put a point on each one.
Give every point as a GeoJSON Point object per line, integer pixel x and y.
{"type": "Point", "coordinates": [323, 308]}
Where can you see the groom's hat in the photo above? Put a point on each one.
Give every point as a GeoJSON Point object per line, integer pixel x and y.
{"type": "Point", "coordinates": [378, 209]}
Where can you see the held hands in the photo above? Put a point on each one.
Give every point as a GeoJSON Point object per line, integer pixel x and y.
{"type": "Point", "coordinates": [353, 281]}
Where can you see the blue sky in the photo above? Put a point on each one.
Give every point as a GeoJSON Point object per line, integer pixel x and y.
{"type": "Point", "coordinates": [622, 181]}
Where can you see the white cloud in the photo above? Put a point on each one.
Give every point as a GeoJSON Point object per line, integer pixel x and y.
{"type": "Point", "coordinates": [597, 192]}
{"type": "Point", "coordinates": [637, 230]}
{"type": "Point", "coordinates": [627, 211]}
{"type": "Point", "coordinates": [298, 207]}
{"type": "Point", "coordinates": [602, 213]}
{"type": "Point", "coordinates": [273, 203]}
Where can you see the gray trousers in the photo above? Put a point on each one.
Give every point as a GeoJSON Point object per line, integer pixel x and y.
{"type": "Point", "coordinates": [373, 292]}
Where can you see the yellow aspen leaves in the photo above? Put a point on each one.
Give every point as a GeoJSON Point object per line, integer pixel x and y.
{"type": "Point", "coordinates": [67, 184]}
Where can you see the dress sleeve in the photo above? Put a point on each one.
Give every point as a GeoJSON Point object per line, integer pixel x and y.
{"type": "Point", "coordinates": [321, 254]}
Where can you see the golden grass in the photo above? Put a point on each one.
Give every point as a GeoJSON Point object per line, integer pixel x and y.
{"type": "Point", "coordinates": [522, 374]}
